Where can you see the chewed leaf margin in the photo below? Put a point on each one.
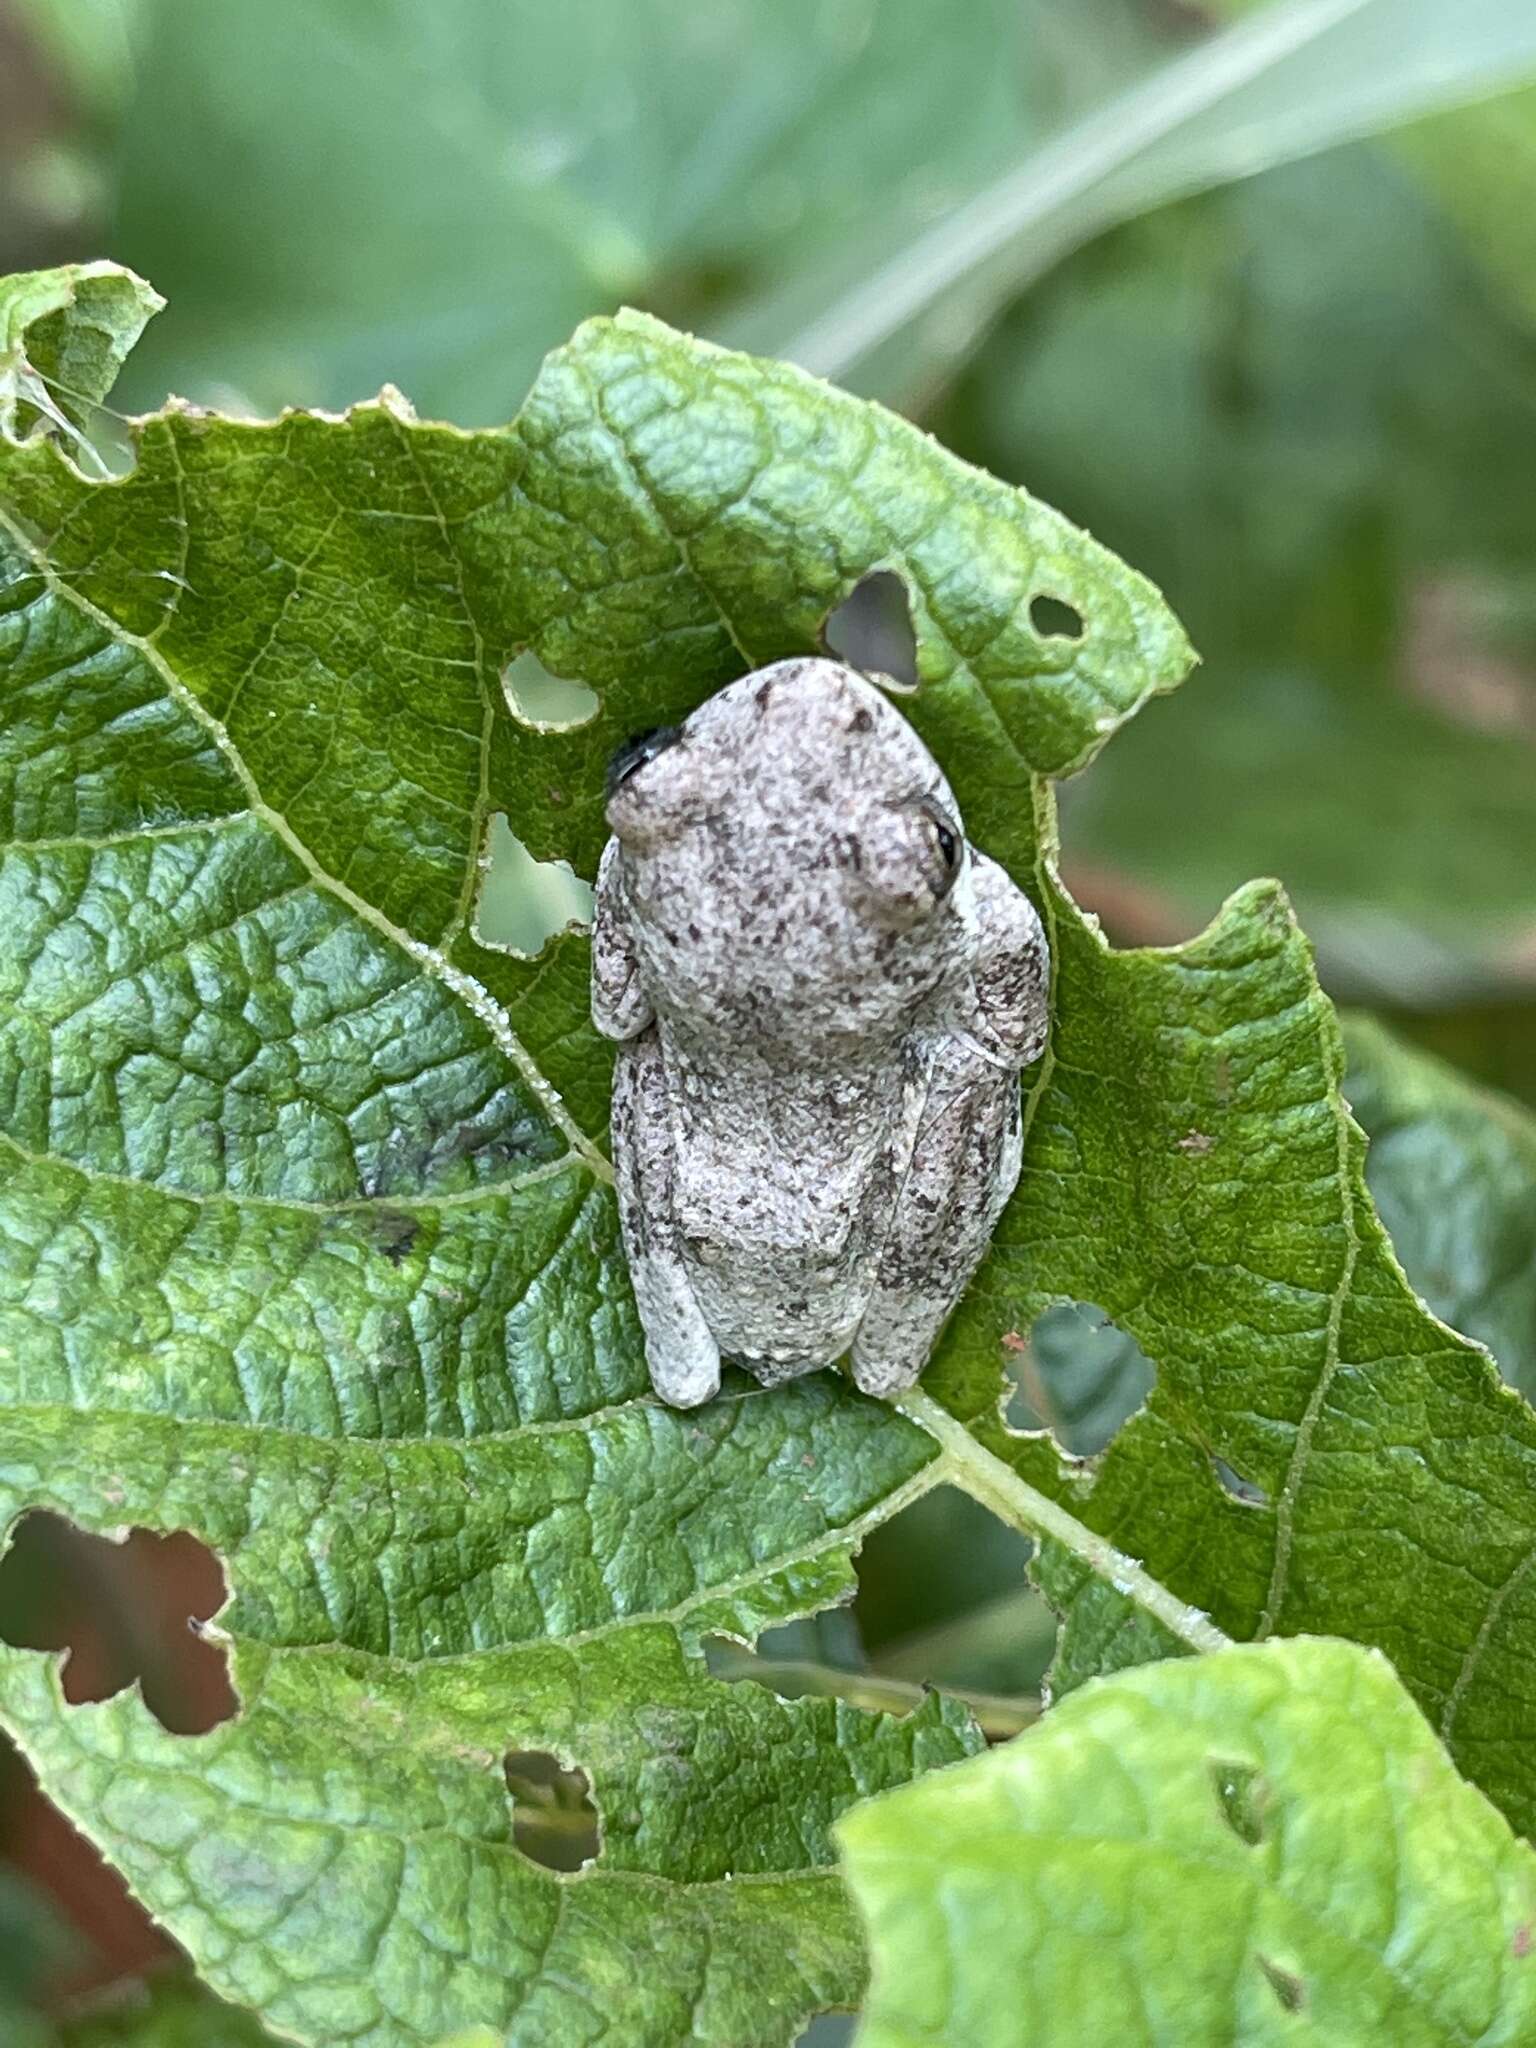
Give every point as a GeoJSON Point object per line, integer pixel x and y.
{"type": "Point", "coordinates": [1192, 1166]}
{"type": "Point", "coordinates": [390, 1312]}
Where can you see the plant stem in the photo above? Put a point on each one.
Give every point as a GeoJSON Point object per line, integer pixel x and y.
{"type": "Point", "coordinates": [986, 1478]}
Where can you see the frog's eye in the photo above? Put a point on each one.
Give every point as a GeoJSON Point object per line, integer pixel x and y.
{"type": "Point", "coordinates": [636, 751]}
{"type": "Point", "coordinates": [945, 839]}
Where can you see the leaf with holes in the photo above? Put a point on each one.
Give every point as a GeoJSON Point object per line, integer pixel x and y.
{"type": "Point", "coordinates": [309, 1247]}
{"type": "Point", "coordinates": [1267, 1845]}
{"type": "Point", "coordinates": [1319, 1452]}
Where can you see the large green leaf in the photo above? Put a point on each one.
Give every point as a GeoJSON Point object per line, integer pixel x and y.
{"type": "Point", "coordinates": [1319, 1452]}
{"type": "Point", "coordinates": [309, 1246]}
{"type": "Point", "coordinates": [305, 1252]}
{"type": "Point", "coordinates": [1267, 1846]}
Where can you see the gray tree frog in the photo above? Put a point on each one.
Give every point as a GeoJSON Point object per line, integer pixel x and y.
{"type": "Point", "coordinates": [823, 996]}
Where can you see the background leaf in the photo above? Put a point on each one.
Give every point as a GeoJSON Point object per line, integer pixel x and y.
{"type": "Point", "coordinates": [1320, 443]}
{"type": "Point", "coordinates": [167, 2013]}
{"type": "Point", "coordinates": [1452, 1171]}
{"type": "Point", "coordinates": [1321, 1873]}
{"type": "Point", "coordinates": [453, 190]}
{"type": "Point", "coordinates": [1297, 77]}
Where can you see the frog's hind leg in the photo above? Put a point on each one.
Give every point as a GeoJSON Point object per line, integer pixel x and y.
{"type": "Point", "coordinates": [680, 1351]}
{"type": "Point", "coordinates": [965, 1165]}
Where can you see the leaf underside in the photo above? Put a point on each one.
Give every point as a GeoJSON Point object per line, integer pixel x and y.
{"type": "Point", "coordinates": [307, 1243]}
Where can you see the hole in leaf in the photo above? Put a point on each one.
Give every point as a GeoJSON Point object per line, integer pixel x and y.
{"type": "Point", "coordinates": [1077, 1375]}
{"type": "Point", "coordinates": [1242, 1794]}
{"type": "Point", "coordinates": [815, 1654]}
{"type": "Point", "coordinates": [524, 902]}
{"type": "Point", "coordinates": [543, 701]}
{"type": "Point", "coordinates": [1290, 1989]}
{"type": "Point", "coordinates": [1054, 618]}
{"type": "Point", "coordinates": [944, 1599]}
{"type": "Point", "coordinates": [124, 1612]}
{"type": "Point", "coordinates": [872, 630]}
{"type": "Point", "coordinates": [1248, 1491]}
{"type": "Point", "coordinates": [553, 1819]}
{"type": "Point", "coordinates": [828, 2030]}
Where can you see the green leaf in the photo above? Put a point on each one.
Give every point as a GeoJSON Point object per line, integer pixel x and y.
{"type": "Point", "coordinates": [309, 1246]}
{"type": "Point", "coordinates": [1319, 1454]}
{"type": "Point", "coordinates": [335, 192]}
{"type": "Point", "coordinates": [64, 335]}
{"type": "Point", "coordinates": [1452, 1170]}
{"type": "Point", "coordinates": [1267, 1846]}
{"type": "Point", "coordinates": [1299, 77]}
{"type": "Point", "coordinates": [36, 1948]}
{"type": "Point", "coordinates": [743, 501]}
{"type": "Point", "coordinates": [1481, 167]}
{"type": "Point", "coordinates": [306, 1253]}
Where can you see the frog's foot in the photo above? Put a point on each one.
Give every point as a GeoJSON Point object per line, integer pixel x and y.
{"type": "Point", "coordinates": [680, 1351]}
{"type": "Point", "coordinates": [893, 1342]}
{"type": "Point", "coordinates": [776, 1369]}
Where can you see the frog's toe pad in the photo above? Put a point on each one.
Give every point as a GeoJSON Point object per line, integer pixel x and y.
{"type": "Point", "coordinates": [885, 1377]}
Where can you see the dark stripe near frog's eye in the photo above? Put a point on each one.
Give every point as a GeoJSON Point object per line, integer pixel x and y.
{"type": "Point", "coordinates": [948, 843]}
{"type": "Point", "coordinates": [637, 750]}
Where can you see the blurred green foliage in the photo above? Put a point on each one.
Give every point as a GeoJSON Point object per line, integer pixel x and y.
{"type": "Point", "coordinates": [1305, 403]}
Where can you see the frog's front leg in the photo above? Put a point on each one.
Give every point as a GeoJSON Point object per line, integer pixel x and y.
{"type": "Point", "coordinates": [680, 1352]}
{"type": "Point", "coordinates": [966, 1157]}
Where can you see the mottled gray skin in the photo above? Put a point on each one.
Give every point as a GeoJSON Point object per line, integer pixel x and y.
{"type": "Point", "coordinates": [822, 1015]}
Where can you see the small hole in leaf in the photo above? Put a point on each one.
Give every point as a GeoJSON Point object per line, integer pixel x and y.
{"type": "Point", "coordinates": [1054, 619]}
{"type": "Point", "coordinates": [872, 630]}
{"type": "Point", "coordinates": [1290, 1989]}
{"type": "Point", "coordinates": [1077, 1375]}
{"type": "Point", "coordinates": [542, 700]}
{"type": "Point", "coordinates": [1242, 1794]}
{"type": "Point", "coordinates": [1247, 1491]}
{"type": "Point", "coordinates": [525, 902]}
{"type": "Point", "coordinates": [123, 1612]}
{"type": "Point", "coordinates": [553, 1819]}
{"type": "Point", "coordinates": [828, 2030]}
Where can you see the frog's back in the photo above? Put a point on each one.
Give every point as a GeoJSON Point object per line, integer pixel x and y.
{"type": "Point", "coordinates": [780, 1191]}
